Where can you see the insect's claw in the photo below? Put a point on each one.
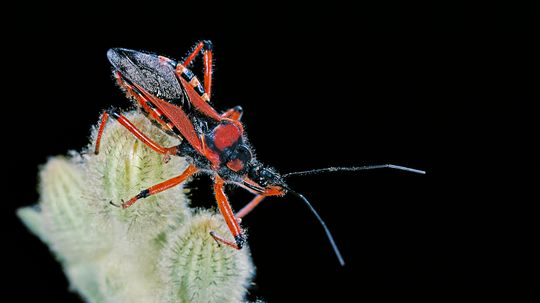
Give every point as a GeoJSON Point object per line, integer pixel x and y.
{"type": "Point", "coordinates": [213, 234]}
{"type": "Point", "coordinates": [118, 205]}
{"type": "Point", "coordinates": [166, 158]}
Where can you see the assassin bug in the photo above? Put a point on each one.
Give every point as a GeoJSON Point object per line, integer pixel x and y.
{"type": "Point", "coordinates": [172, 97]}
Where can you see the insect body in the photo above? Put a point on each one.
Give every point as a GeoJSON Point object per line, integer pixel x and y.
{"type": "Point", "coordinates": [172, 97]}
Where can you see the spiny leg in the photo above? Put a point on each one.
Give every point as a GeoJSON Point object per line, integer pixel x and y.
{"type": "Point", "coordinates": [104, 119]}
{"type": "Point", "coordinates": [198, 93]}
{"type": "Point", "coordinates": [167, 151]}
{"type": "Point", "coordinates": [190, 170]}
{"type": "Point", "coordinates": [228, 215]}
{"type": "Point", "coordinates": [207, 49]}
{"type": "Point", "coordinates": [208, 68]}
{"type": "Point", "coordinates": [195, 51]}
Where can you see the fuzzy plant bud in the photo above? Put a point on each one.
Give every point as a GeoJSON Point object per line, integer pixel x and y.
{"type": "Point", "coordinates": [157, 250]}
{"type": "Point", "coordinates": [123, 168]}
{"type": "Point", "coordinates": [63, 220]}
{"type": "Point", "coordinates": [209, 265]}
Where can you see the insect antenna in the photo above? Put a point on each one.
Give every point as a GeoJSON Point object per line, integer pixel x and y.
{"type": "Point", "coordinates": [335, 169]}
{"type": "Point", "coordinates": [326, 230]}
{"type": "Point", "coordinates": [353, 168]}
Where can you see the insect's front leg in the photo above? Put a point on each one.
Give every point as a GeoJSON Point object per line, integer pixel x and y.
{"type": "Point", "coordinates": [190, 170]}
{"type": "Point", "coordinates": [167, 151]}
{"type": "Point", "coordinates": [249, 207]}
{"type": "Point", "coordinates": [230, 219]}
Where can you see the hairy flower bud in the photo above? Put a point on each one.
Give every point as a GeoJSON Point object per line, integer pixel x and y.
{"type": "Point", "coordinates": [157, 250]}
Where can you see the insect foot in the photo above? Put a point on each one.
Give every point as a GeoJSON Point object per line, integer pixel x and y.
{"type": "Point", "coordinates": [156, 251]}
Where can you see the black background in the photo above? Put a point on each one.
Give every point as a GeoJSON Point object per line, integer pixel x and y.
{"type": "Point", "coordinates": [447, 89]}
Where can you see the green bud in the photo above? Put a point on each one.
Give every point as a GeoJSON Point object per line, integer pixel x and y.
{"type": "Point", "coordinates": [65, 216]}
{"type": "Point", "coordinates": [157, 250]}
{"type": "Point", "coordinates": [197, 269]}
{"type": "Point", "coordinates": [123, 168]}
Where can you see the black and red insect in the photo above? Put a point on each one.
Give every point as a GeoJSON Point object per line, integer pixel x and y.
{"type": "Point", "coordinates": [172, 97]}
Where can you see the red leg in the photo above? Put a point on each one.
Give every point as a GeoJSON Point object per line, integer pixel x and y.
{"type": "Point", "coordinates": [208, 69]}
{"type": "Point", "coordinates": [135, 131]}
{"type": "Point", "coordinates": [104, 119]}
{"type": "Point", "coordinates": [193, 54]}
{"type": "Point", "coordinates": [206, 47]}
{"type": "Point", "coordinates": [234, 113]}
{"type": "Point", "coordinates": [190, 170]}
{"type": "Point", "coordinates": [250, 206]}
{"type": "Point", "coordinates": [230, 219]}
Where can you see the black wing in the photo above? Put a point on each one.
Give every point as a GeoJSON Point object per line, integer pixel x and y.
{"type": "Point", "coordinates": [154, 73]}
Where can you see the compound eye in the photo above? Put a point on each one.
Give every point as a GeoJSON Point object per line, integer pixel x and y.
{"type": "Point", "coordinates": [265, 174]}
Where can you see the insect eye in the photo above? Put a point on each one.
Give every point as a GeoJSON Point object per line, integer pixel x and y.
{"type": "Point", "coordinates": [265, 174]}
{"type": "Point", "coordinates": [254, 172]}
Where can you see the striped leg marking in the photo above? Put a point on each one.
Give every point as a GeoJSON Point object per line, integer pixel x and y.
{"type": "Point", "coordinates": [190, 170]}
{"type": "Point", "coordinates": [183, 71]}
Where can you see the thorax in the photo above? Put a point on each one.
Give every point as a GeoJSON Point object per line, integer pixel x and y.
{"type": "Point", "coordinates": [224, 146]}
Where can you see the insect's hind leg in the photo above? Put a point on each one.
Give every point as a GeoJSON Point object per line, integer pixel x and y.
{"type": "Point", "coordinates": [167, 151]}
{"type": "Point", "coordinates": [207, 49]}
